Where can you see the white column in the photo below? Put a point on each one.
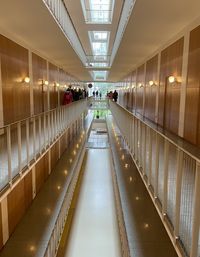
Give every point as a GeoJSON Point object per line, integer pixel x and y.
{"type": "Point", "coordinates": [5, 228]}
{"type": "Point", "coordinates": [144, 91]}
{"type": "Point", "coordinates": [31, 82]}
{"type": "Point", "coordinates": [157, 86]}
{"type": "Point", "coordinates": [183, 84]}
{"type": "Point", "coordinates": [1, 101]}
{"type": "Point", "coordinates": [48, 97]}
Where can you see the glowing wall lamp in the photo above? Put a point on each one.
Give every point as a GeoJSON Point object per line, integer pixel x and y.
{"type": "Point", "coordinates": [152, 83]}
{"type": "Point", "coordinates": [140, 85]}
{"type": "Point", "coordinates": [26, 80]}
{"type": "Point", "coordinates": [46, 82]}
{"type": "Point", "coordinates": [173, 80]}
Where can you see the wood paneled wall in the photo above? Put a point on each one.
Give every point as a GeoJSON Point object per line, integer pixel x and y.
{"type": "Point", "coordinates": [133, 90]}
{"type": "Point", "coordinates": [150, 91]}
{"type": "Point", "coordinates": [169, 94]}
{"type": "Point", "coordinates": [53, 90]}
{"type": "Point", "coordinates": [140, 89]}
{"type": "Point", "coordinates": [14, 68]}
{"type": "Point", "coordinates": [54, 155]}
{"type": "Point", "coordinates": [18, 201]}
{"type": "Point", "coordinates": [17, 63]}
{"type": "Point", "coordinates": [41, 172]}
{"type": "Point", "coordinates": [192, 108]}
{"type": "Point", "coordinates": [40, 94]}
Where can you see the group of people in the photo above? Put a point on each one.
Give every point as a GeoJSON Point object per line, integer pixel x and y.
{"type": "Point", "coordinates": [113, 95]}
{"type": "Point", "coordinates": [72, 95]}
{"type": "Point", "coordinates": [97, 94]}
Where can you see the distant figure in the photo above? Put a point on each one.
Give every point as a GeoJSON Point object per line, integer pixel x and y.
{"type": "Point", "coordinates": [110, 95]}
{"type": "Point", "coordinates": [100, 95]}
{"type": "Point", "coordinates": [93, 93]}
{"type": "Point", "coordinates": [67, 99]}
{"type": "Point", "coordinates": [115, 96]}
{"type": "Point", "coordinates": [97, 93]}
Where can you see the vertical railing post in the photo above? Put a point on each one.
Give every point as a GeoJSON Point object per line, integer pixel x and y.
{"type": "Point", "coordinates": [9, 151]}
{"type": "Point", "coordinates": [45, 131]}
{"type": "Point", "coordinates": [144, 150]}
{"type": "Point", "coordinates": [179, 173]}
{"type": "Point", "coordinates": [196, 214]}
{"type": "Point", "coordinates": [34, 139]}
{"type": "Point", "coordinates": [165, 183]}
{"type": "Point", "coordinates": [156, 164]}
{"type": "Point", "coordinates": [150, 158]}
{"type": "Point", "coordinates": [27, 142]}
{"type": "Point", "coordinates": [49, 128]}
{"type": "Point", "coordinates": [40, 135]}
{"type": "Point", "coordinates": [19, 141]}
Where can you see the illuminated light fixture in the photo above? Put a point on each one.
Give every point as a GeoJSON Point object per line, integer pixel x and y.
{"type": "Point", "coordinates": [126, 165]}
{"type": "Point", "coordinates": [65, 172]}
{"type": "Point", "coordinates": [171, 79]}
{"type": "Point", "coordinates": [130, 179]}
{"type": "Point", "coordinates": [58, 187]}
{"type": "Point", "coordinates": [26, 80]}
{"type": "Point", "coordinates": [133, 86]}
{"type": "Point", "coordinates": [137, 198]}
{"type": "Point", "coordinates": [146, 225]}
{"type": "Point", "coordinates": [57, 84]}
{"type": "Point", "coordinates": [152, 83]}
{"type": "Point", "coordinates": [46, 82]}
{"type": "Point", "coordinates": [140, 85]}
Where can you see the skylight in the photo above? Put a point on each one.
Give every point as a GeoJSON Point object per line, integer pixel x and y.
{"type": "Point", "coordinates": [98, 64]}
{"type": "Point", "coordinates": [98, 11]}
{"type": "Point", "coordinates": [99, 75]}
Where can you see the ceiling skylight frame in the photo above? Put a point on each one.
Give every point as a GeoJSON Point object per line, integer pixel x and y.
{"type": "Point", "coordinates": [95, 15]}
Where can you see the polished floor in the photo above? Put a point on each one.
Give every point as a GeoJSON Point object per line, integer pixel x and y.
{"type": "Point", "coordinates": [94, 229]}
{"type": "Point", "coordinates": [146, 234]}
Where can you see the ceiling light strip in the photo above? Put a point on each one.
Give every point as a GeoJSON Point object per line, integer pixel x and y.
{"type": "Point", "coordinates": [60, 14]}
{"type": "Point", "coordinates": [126, 13]}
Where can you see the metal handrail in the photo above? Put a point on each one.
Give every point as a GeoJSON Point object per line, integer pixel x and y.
{"type": "Point", "coordinates": [27, 139]}
{"type": "Point", "coordinates": [171, 175]}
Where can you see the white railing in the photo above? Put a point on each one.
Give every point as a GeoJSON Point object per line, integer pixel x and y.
{"type": "Point", "coordinates": [22, 142]}
{"type": "Point", "coordinates": [171, 175]}
{"type": "Point", "coordinates": [60, 14]}
{"type": "Point", "coordinates": [53, 244]}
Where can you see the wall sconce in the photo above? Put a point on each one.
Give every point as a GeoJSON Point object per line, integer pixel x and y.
{"type": "Point", "coordinates": [140, 85]}
{"type": "Point", "coordinates": [56, 84]}
{"type": "Point", "coordinates": [152, 83]}
{"type": "Point", "coordinates": [26, 80]}
{"type": "Point", "coordinates": [46, 82]}
{"type": "Point", "coordinates": [173, 80]}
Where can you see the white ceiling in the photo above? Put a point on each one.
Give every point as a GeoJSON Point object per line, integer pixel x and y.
{"type": "Point", "coordinates": [151, 24]}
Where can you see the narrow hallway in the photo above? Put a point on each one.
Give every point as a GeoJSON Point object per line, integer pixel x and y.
{"type": "Point", "coordinates": [94, 229]}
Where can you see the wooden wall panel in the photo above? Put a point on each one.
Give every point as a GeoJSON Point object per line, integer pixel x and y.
{"type": "Point", "coordinates": [16, 206]}
{"type": "Point", "coordinates": [140, 90]}
{"type": "Point", "coordinates": [41, 172]}
{"type": "Point", "coordinates": [133, 90]}
{"type": "Point", "coordinates": [63, 80]}
{"type": "Point", "coordinates": [150, 91]}
{"type": "Point", "coordinates": [53, 90]}
{"type": "Point", "coordinates": [28, 191]}
{"type": "Point", "coordinates": [14, 68]}
{"type": "Point", "coordinates": [40, 90]}
{"type": "Point", "coordinates": [192, 108]}
{"type": "Point", "coordinates": [1, 231]}
{"type": "Point", "coordinates": [54, 155]}
{"type": "Point", "coordinates": [169, 94]}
